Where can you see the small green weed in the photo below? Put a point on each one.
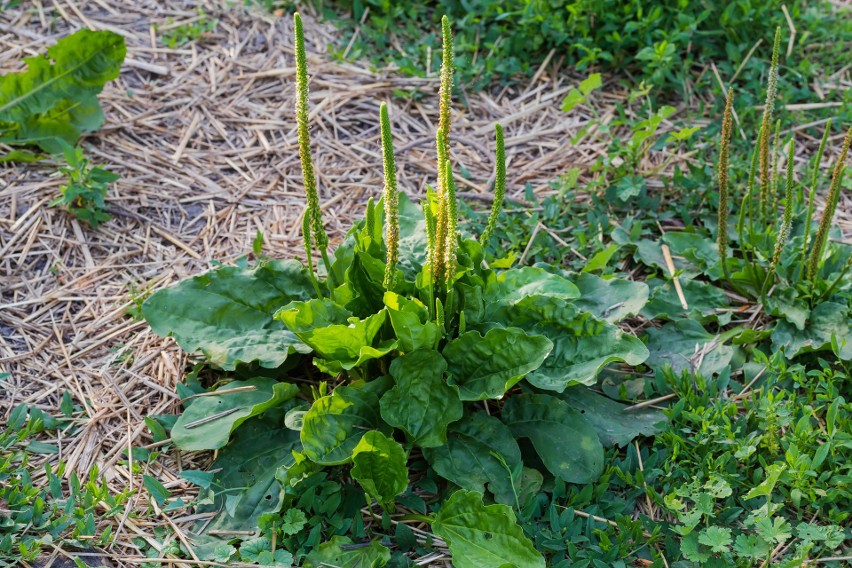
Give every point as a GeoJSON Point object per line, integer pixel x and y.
{"type": "Point", "coordinates": [174, 36]}
{"type": "Point", "coordinates": [84, 193]}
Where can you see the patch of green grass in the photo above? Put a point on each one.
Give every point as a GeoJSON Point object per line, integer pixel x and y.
{"type": "Point", "coordinates": [175, 36]}
{"type": "Point", "coordinates": [59, 509]}
{"type": "Point", "coordinates": [665, 46]}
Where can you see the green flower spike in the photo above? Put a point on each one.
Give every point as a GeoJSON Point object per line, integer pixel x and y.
{"type": "Point", "coordinates": [830, 208]}
{"type": "Point", "coordinates": [722, 174]}
{"type": "Point", "coordinates": [391, 199]}
{"type": "Point", "coordinates": [499, 186]}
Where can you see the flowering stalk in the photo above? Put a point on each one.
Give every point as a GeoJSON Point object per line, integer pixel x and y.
{"type": "Point", "coordinates": [774, 181]}
{"type": "Point", "coordinates": [727, 126]}
{"type": "Point", "coordinates": [446, 88]}
{"type": "Point", "coordinates": [391, 198]}
{"type": "Point", "coordinates": [370, 220]}
{"type": "Point", "coordinates": [830, 207]}
{"type": "Point", "coordinates": [499, 186]}
{"type": "Point", "coordinates": [812, 196]}
{"type": "Point", "coordinates": [452, 225]}
{"type": "Point", "coordinates": [441, 220]}
{"type": "Point", "coordinates": [306, 240]}
{"type": "Point", "coordinates": [787, 221]}
{"type": "Point", "coordinates": [766, 125]}
{"type": "Point", "coordinates": [443, 147]}
{"type": "Point", "coordinates": [319, 236]}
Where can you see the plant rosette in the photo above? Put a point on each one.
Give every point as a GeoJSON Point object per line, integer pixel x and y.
{"type": "Point", "coordinates": [428, 350]}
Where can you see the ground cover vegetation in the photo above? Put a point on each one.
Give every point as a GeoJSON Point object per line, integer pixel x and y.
{"type": "Point", "coordinates": [411, 389]}
{"type": "Point", "coordinates": [664, 49]}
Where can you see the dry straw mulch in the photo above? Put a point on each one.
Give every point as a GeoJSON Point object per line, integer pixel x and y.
{"type": "Point", "coordinates": [204, 140]}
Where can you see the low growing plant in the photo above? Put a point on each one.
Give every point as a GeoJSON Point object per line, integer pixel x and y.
{"type": "Point", "coordinates": [401, 346]}
{"type": "Point", "coordinates": [768, 251]}
{"type": "Point", "coordinates": [63, 509]}
{"type": "Point", "coordinates": [84, 192]}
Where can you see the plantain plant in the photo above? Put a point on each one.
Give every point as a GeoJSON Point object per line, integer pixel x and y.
{"type": "Point", "coordinates": [402, 343]}
{"type": "Point", "coordinates": [768, 251]}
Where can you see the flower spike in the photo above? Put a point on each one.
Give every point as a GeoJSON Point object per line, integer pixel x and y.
{"type": "Point", "coordinates": [391, 198]}
{"type": "Point", "coordinates": [499, 186]}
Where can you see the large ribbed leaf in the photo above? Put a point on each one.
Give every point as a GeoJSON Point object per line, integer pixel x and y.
{"type": "Point", "coordinates": [421, 403]}
{"type": "Point", "coordinates": [227, 313]}
{"type": "Point", "coordinates": [379, 466]}
{"type": "Point", "coordinates": [486, 366]}
{"type": "Point", "coordinates": [56, 97]}
{"type": "Point", "coordinates": [567, 445]}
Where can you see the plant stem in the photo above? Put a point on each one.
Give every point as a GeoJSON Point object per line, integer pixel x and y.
{"type": "Point", "coordinates": [806, 232]}
{"type": "Point", "coordinates": [830, 207]}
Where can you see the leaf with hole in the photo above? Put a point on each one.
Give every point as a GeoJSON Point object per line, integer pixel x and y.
{"type": "Point", "coordinates": [615, 425]}
{"type": "Point", "coordinates": [481, 536]}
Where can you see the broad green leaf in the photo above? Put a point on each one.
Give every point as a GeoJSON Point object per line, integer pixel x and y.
{"type": "Point", "coordinates": [611, 300]}
{"type": "Point", "coordinates": [364, 280]}
{"type": "Point", "coordinates": [227, 313]}
{"type": "Point", "coordinates": [23, 156]}
{"type": "Point", "coordinates": [56, 97]}
{"type": "Point", "coordinates": [650, 253]}
{"type": "Point", "coordinates": [413, 246]}
{"type": "Point", "coordinates": [379, 466]}
{"type": "Point", "coordinates": [614, 424]}
{"type": "Point", "coordinates": [422, 403]}
{"type": "Point", "coordinates": [785, 303]}
{"type": "Point", "coordinates": [703, 300]}
{"type": "Point", "coordinates": [487, 366]}
{"type": "Point", "coordinates": [582, 344]}
{"type": "Point", "coordinates": [344, 346]}
{"type": "Point", "coordinates": [411, 324]}
{"type": "Point", "coordinates": [567, 445]}
{"type": "Point", "coordinates": [208, 422]}
{"type": "Point", "coordinates": [572, 99]}
{"type": "Point", "coordinates": [827, 326]}
{"type": "Point", "coordinates": [764, 489]}
{"type": "Point", "coordinates": [687, 346]}
{"type": "Point", "coordinates": [305, 316]}
{"type": "Point", "coordinates": [156, 490]}
{"type": "Point", "coordinates": [591, 83]}
{"type": "Point", "coordinates": [244, 485]}
{"type": "Point", "coordinates": [335, 424]}
{"type": "Point", "coordinates": [516, 284]}
{"type": "Point", "coordinates": [339, 552]}
{"type": "Point", "coordinates": [601, 259]}
{"type": "Point", "coordinates": [477, 448]}
{"type": "Point", "coordinates": [480, 536]}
